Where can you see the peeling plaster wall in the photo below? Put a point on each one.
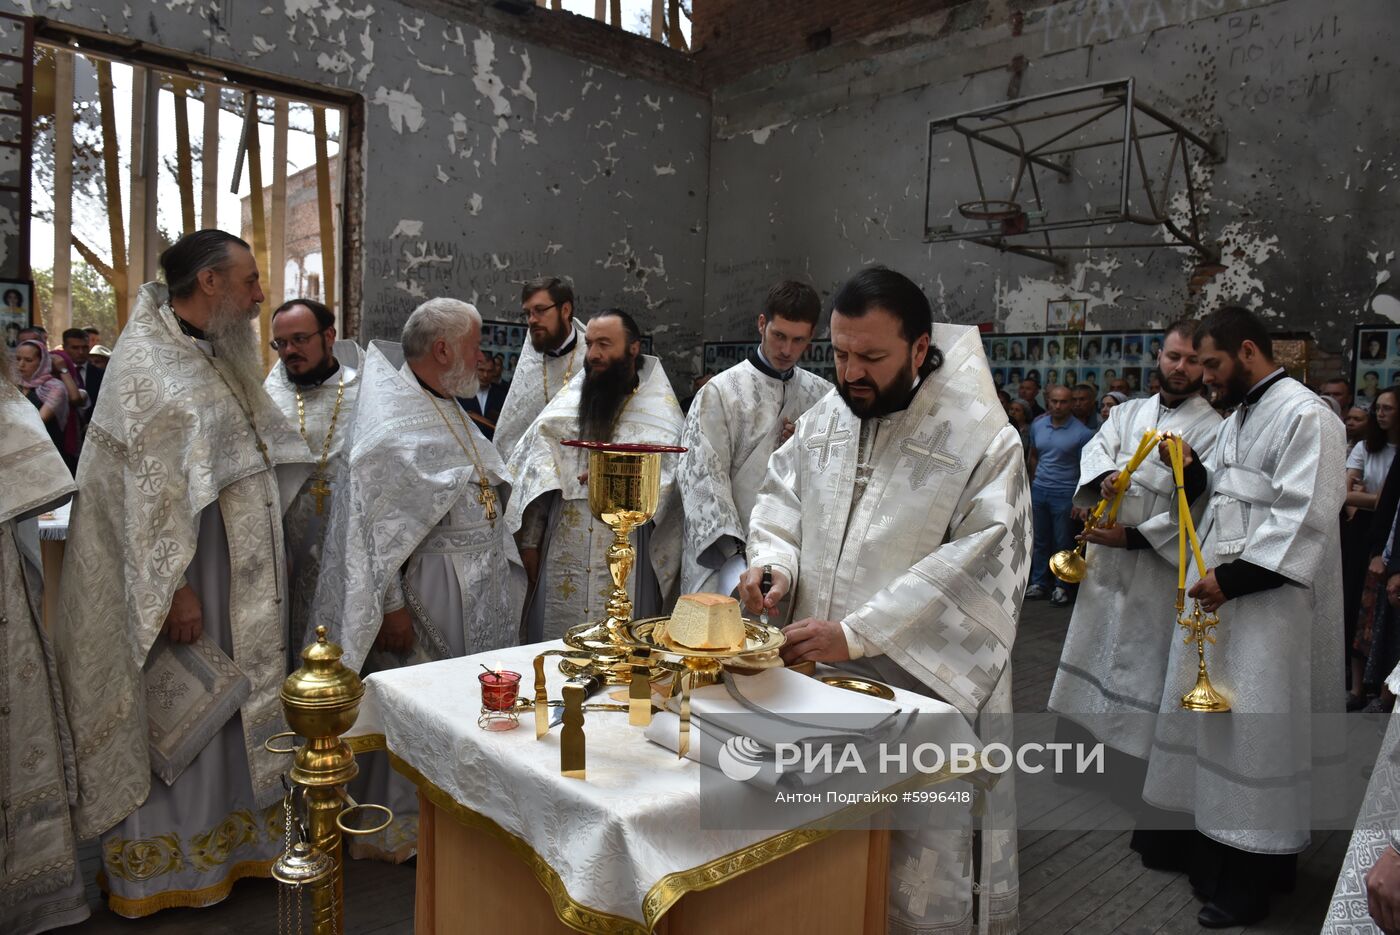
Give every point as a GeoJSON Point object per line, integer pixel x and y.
{"type": "Point", "coordinates": [488, 159]}
{"type": "Point", "coordinates": [818, 166]}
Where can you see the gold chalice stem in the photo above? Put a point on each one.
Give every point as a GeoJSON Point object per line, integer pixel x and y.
{"type": "Point", "coordinates": [621, 556]}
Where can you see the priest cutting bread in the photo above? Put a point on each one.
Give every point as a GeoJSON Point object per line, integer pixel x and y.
{"type": "Point", "coordinates": [896, 521]}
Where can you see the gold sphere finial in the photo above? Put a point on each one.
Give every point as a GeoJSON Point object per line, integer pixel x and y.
{"type": "Point", "coordinates": [320, 634]}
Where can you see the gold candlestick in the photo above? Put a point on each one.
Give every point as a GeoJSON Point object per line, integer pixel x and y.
{"type": "Point", "coordinates": [1203, 697]}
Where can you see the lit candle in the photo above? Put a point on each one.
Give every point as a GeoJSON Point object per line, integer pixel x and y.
{"type": "Point", "coordinates": [499, 688]}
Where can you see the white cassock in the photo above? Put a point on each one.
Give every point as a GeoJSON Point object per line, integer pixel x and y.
{"type": "Point", "coordinates": [913, 531]}
{"type": "Point", "coordinates": [1277, 483]}
{"type": "Point", "coordinates": [41, 887]}
{"type": "Point", "coordinates": [574, 583]}
{"type": "Point", "coordinates": [408, 529]}
{"type": "Point", "coordinates": [539, 377]}
{"type": "Point", "coordinates": [329, 410]}
{"type": "Point", "coordinates": [1115, 656]}
{"type": "Point", "coordinates": [731, 431]}
{"type": "Point", "coordinates": [1377, 829]}
{"type": "Point", "coordinates": [176, 487]}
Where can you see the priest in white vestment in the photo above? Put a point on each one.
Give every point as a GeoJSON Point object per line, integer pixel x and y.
{"type": "Point", "coordinates": [622, 396]}
{"type": "Point", "coordinates": [315, 383]}
{"type": "Point", "coordinates": [1256, 785]}
{"type": "Point", "coordinates": [897, 521]}
{"type": "Point", "coordinates": [176, 535]}
{"type": "Point", "coordinates": [1114, 661]}
{"type": "Point", "coordinates": [550, 357]}
{"type": "Point", "coordinates": [418, 565]}
{"type": "Point", "coordinates": [41, 886]}
{"type": "Point", "coordinates": [735, 423]}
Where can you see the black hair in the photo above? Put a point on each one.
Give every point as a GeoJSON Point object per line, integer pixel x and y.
{"type": "Point", "coordinates": [75, 334]}
{"type": "Point", "coordinates": [1229, 327]}
{"type": "Point", "coordinates": [629, 324]}
{"type": "Point", "coordinates": [1376, 437]}
{"type": "Point", "coordinates": [325, 318]}
{"type": "Point", "coordinates": [878, 286]}
{"type": "Point", "coordinates": [795, 301]}
{"type": "Point", "coordinates": [559, 290]}
{"type": "Point", "coordinates": [91, 330]}
{"type": "Point", "coordinates": [1186, 327]}
{"type": "Point", "coordinates": [194, 253]}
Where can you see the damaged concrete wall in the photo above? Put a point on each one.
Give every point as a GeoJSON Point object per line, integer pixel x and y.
{"type": "Point", "coordinates": [488, 159]}
{"type": "Point", "coordinates": [818, 166]}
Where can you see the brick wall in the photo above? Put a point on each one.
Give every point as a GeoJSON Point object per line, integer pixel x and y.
{"type": "Point", "coordinates": [733, 37]}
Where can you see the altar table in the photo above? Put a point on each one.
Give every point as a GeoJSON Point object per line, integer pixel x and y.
{"type": "Point", "coordinates": [508, 844]}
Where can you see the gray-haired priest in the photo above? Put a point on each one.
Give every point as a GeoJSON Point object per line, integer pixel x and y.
{"type": "Point", "coordinates": [41, 887]}
{"type": "Point", "coordinates": [175, 564]}
{"type": "Point", "coordinates": [622, 396]}
{"type": "Point", "coordinates": [897, 520]}
{"type": "Point", "coordinates": [315, 383]}
{"type": "Point", "coordinates": [417, 565]}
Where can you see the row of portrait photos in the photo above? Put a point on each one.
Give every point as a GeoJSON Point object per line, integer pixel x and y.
{"type": "Point", "coordinates": [1376, 362]}
{"type": "Point", "coordinates": [1111, 349]}
{"type": "Point", "coordinates": [818, 358]}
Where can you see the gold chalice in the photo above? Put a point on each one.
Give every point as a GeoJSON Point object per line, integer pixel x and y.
{"type": "Point", "coordinates": [624, 491]}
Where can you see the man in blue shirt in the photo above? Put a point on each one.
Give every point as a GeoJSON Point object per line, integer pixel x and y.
{"type": "Point", "coordinates": [1056, 439]}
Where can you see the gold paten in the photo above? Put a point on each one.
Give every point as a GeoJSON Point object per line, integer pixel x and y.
{"type": "Point", "coordinates": [858, 685]}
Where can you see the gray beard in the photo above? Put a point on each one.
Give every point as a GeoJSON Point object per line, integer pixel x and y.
{"type": "Point", "coordinates": [235, 343]}
{"type": "Point", "coordinates": [460, 381]}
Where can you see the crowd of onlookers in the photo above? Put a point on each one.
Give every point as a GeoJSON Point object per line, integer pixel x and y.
{"type": "Point", "coordinates": [62, 382]}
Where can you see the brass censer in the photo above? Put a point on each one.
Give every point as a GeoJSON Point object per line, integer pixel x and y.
{"type": "Point", "coordinates": [1071, 565]}
{"type": "Point", "coordinates": [321, 701]}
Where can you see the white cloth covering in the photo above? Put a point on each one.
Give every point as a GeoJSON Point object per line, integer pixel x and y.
{"type": "Point", "coordinates": [731, 430]}
{"type": "Point", "coordinates": [1115, 655]}
{"type": "Point", "coordinates": [638, 817]}
{"type": "Point", "coordinates": [912, 530]}
{"type": "Point", "coordinates": [1254, 782]}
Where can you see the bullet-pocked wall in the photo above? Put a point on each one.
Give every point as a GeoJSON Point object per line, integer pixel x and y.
{"type": "Point", "coordinates": [817, 165]}
{"type": "Point", "coordinates": [488, 158]}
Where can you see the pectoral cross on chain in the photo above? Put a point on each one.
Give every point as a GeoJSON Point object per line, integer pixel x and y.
{"type": "Point", "coordinates": [929, 455]}
{"type": "Point", "coordinates": [822, 444]}
{"type": "Point", "coordinates": [487, 498]}
{"type": "Point", "coordinates": [321, 491]}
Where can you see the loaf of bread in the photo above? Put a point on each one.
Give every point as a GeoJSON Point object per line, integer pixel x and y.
{"type": "Point", "coordinates": [706, 621]}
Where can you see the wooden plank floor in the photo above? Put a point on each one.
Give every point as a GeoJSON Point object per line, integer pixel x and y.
{"type": "Point", "coordinates": [1082, 881]}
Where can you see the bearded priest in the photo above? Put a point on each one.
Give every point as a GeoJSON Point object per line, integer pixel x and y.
{"type": "Point", "coordinates": [622, 396]}
{"type": "Point", "coordinates": [550, 357]}
{"type": "Point", "coordinates": [418, 565]}
{"type": "Point", "coordinates": [897, 521]}
{"type": "Point", "coordinates": [315, 383]}
{"type": "Point", "coordinates": [736, 422]}
{"type": "Point", "coordinates": [175, 563]}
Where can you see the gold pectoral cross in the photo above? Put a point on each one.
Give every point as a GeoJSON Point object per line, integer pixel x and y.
{"type": "Point", "coordinates": [322, 492]}
{"type": "Point", "coordinates": [487, 498]}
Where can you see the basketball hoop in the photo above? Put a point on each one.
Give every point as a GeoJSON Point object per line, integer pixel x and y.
{"type": "Point", "coordinates": [1008, 213]}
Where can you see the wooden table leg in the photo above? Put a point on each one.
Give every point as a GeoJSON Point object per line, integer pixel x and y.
{"type": "Point", "coordinates": [877, 882]}
{"type": "Point", "coordinates": [425, 895]}
{"type": "Point", "coordinates": [51, 552]}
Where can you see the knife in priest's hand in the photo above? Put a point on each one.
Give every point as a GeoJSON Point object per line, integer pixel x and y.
{"type": "Point", "coordinates": [591, 686]}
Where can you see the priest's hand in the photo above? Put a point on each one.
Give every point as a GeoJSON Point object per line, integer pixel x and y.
{"type": "Point", "coordinates": [1107, 488]}
{"type": "Point", "coordinates": [1383, 890]}
{"type": "Point", "coordinates": [1208, 592]}
{"type": "Point", "coordinates": [1115, 536]}
{"type": "Point", "coordinates": [815, 641]}
{"type": "Point", "coordinates": [751, 592]}
{"type": "Point", "coordinates": [1187, 457]}
{"type": "Point", "coordinates": [396, 633]}
{"type": "Point", "coordinates": [789, 427]}
{"type": "Point", "coordinates": [185, 621]}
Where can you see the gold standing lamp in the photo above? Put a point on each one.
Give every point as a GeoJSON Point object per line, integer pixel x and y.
{"type": "Point", "coordinates": [321, 701]}
{"type": "Point", "coordinates": [1203, 696]}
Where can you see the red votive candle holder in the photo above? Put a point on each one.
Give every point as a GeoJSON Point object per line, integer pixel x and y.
{"type": "Point", "coordinates": [499, 689]}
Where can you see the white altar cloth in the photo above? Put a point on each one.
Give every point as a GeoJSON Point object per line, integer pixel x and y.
{"type": "Point", "coordinates": [611, 838]}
